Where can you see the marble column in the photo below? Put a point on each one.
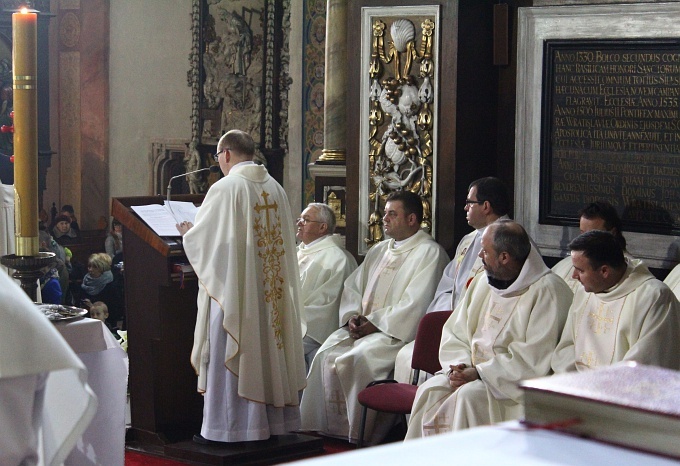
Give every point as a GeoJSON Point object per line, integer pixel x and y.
{"type": "Point", "coordinates": [334, 112]}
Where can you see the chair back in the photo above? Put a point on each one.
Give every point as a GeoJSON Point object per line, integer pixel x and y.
{"type": "Point", "coordinates": [428, 339]}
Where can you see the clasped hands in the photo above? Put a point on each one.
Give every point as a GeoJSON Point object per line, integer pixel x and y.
{"type": "Point", "coordinates": [360, 326]}
{"type": "Point", "coordinates": [183, 227]}
{"type": "Point", "coordinates": [461, 374]}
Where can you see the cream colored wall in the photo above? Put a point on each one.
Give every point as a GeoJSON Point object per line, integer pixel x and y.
{"type": "Point", "coordinates": [150, 98]}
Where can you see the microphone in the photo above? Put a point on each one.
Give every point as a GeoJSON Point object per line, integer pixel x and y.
{"type": "Point", "coordinates": [212, 168]}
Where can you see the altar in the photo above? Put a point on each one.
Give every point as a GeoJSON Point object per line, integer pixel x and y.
{"type": "Point", "coordinates": [103, 443]}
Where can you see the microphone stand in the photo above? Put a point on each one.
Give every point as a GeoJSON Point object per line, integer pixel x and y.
{"type": "Point", "coordinates": [212, 169]}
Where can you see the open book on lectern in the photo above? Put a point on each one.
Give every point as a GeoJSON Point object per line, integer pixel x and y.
{"type": "Point", "coordinates": [163, 218]}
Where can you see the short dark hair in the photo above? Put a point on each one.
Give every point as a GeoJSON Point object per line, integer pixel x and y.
{"type": "Point", "coordinates": [68, 208]}
{"type": "Point", "coordinates": [600, 248]}
{"type": "Point", "coordinates": [607, 212]}
{"type": "Point", "coordinates": [511, 237]}
{"type": "Point", "coordinates": [238, 141]}
{"type": "Point", "coordinates": [412, 203]}
{"type": "Point", "coordinates": [492, 190]}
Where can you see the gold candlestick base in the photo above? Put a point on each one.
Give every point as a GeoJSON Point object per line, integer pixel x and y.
{"type": "Point", "coordinates": [332, 155]}
{"type": "Point", "coordinates": [28, 270]}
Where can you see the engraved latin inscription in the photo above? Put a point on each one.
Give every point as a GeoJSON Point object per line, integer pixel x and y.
{"type": "Point", "coordinates": [611, 130]}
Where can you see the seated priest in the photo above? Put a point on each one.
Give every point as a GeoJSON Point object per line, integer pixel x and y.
{"type": "Point", "coordinates": [503, 331]}
{"type": "Point", "coordinates": [598, 215]}
{"type": "Point", "coordinates": [46, 401]}
{"type": "Point", "coordinates": [619, 313]}
{"type": "Point", "coordinates": [324, 266]}
{"type": "Point", "coordinates": [486, 202]}
{"type": "Point", "coordinates": [673, 281]}
{"type": "Point", "coordinates": [382, 303]}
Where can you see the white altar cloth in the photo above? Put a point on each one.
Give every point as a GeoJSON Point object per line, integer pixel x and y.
{"type": "Point", "coordinates": [103, 443]}
{"type": "Point", "coordinates": [507, 444]}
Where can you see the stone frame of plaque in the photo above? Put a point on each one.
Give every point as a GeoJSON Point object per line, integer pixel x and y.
{"type": "Point", "coordinates": [609, 131]}
{"type": "Point", "coordinates": [536, 25]}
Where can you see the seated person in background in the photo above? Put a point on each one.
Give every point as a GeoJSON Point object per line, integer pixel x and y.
{"type": "Point", "coordinates": [99, 285]}
{"type": "Point", "coordinates": [673, 281]}
{"type": "Point", "coordinates": [619, 313]}
{"type": "Point", "coordinates": [113, 245]}
{"type": "Point", "coordinates": [598, 215]}
{"type": "Point", "coordinates": [33, 381]}
{"type": "Point", "coordinates": [100, 311]}
{"type": "Point", "coordinates": [486, 202]}
{"type": "Point", "coordinates": [62, 231]}
{"type": "Point", "coordinates": [68, 211]}
{"type": "Point", "coordinates": [63, 261]}
{"type": "Point", "coordinates": [324, 266]}
{"type": "Point", "coordinates": [50, 289]}
{"type": "Point", "coordinates": [504, 330]}
{"type": "Point", "coordinates": [381, 305]}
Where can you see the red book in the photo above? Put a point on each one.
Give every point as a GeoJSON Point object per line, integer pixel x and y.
{"type": "Point", "coordinates": [626, 404]}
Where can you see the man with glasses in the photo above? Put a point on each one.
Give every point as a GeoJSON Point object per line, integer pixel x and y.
{"type": "Point", "coordinates": [486, 202]}
{"type": "Point", "coordinates": [248, 342]}
{"type": "Point", "coordinates": [381, 305]}
{"type": "Point", "coordinates": [324, 266]}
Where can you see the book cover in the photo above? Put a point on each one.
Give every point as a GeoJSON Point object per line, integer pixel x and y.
{"type": "Point", "coordinates": [626, 404]}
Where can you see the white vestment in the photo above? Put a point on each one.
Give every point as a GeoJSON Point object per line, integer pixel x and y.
{"type": "Point", "coordinates": [673, 281]}
{"type": "Point", "coordinates": [507, 335]}
{"type": "Point", "coordinates": [6, 221]}
{"type": "Point", "coordinates": [466, 264]}
{"type": "Point", "coordinates": [636, 320]}
{"type": "Point", "coordinates": [243, 252]}
{"type": "Point", "coordinates": [324, 267]}
{"type": "Point", "coordinates": [43, 385]}
{"type": "Point", "coordinates": [392, 288]}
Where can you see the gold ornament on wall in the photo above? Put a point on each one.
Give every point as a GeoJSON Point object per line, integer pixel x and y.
{"type": "Point", "coordinates": [400, 117]}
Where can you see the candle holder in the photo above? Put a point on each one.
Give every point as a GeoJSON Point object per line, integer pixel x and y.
{"type": "Point", "coordinates": [28, 270]}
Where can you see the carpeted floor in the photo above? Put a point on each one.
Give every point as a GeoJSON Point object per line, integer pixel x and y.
{"type": "Point", "coordinates": [136, 458]}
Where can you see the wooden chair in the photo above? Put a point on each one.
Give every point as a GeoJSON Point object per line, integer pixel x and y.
{"type": "Point", "coordinates": [390, 396]}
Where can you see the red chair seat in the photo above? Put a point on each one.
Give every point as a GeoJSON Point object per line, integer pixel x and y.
{"type": "Point", "coordinates": [394, 398]}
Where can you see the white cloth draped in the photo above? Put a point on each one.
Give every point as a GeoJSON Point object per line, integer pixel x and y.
{"type": "Point", "coordinates": [636, 320]}
{"type": "Point", "coordinates": [391, 288]}
{"type": "Point", "coordinates": [507, 335]}
{"type": "Point", "coordinates": [6, 221]}
{"type": "Point", "coordinates": [243, 251]}
{"type": "Point", "coordinates": [673, 281]}
{"type": "Point", "coordinates": [42, 376]}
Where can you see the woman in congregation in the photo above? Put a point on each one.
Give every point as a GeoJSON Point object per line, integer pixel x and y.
{"type": "Point", "coordinates": [113, 245]}
{"type": "Point", "coordinates": [99, 285]}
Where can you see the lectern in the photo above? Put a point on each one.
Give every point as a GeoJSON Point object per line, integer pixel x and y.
{"type": "Point", "coordinates": [161, 314]}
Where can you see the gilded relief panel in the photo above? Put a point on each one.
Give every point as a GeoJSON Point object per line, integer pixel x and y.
{"type": "Point", "coordinates": [399, 111]}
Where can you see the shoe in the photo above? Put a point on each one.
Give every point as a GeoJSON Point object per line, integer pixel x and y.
{"type": "Point", "coordinates": [198, 438]}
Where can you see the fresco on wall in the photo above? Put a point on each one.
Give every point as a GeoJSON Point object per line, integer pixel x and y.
{"type": "Point", "coordinates": [313, 83]}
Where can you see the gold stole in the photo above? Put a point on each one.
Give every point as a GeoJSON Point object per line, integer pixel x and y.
{"type": "Point", "coordinates": [380, 281]}
{"type": "Point", "coordinates": [595, 337]}
{"type": "Point", "coordinates": [495, 318]}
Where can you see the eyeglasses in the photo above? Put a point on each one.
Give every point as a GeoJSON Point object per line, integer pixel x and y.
{"type": "Point", "coordinates": [305, 221]}
{"type": "Point", "coordinates": [216, 157]}
{"type": "Point", "coordinates": [469, 201]}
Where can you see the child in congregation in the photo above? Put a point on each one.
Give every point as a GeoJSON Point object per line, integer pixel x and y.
{"type": "Point", "coordinates": [100, 311]}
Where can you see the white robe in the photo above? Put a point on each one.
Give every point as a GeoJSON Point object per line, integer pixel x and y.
{"type": "Point", "coordinates": [466, 264]}
{"type": "Point", "coordinates": [324, 267]}
{"type": "Point", "coordinates": [673, 281]}
{"type": "Point", "coordinates": [6, 221]}
{"type": "Point", "coordinates": [392, 288]}
{"type": "Point", "coordinates": [636, 320]}
{"type": "Point", "coordinates": [507, 335]}
{"type": "Point", "coordinates": [243, 252]}
{"type": "Point", "coordinates": [43, 385]}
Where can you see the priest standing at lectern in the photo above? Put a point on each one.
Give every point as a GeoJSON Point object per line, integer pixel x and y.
{"type": "Point", "coordinates": [247, 343]}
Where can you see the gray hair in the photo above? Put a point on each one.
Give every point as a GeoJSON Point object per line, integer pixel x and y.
{"type": "Point", "coordinates": [325, 214]}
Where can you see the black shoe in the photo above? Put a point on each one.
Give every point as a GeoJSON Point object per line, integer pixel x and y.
{"type": "Point", "coordinates": [198, 438]}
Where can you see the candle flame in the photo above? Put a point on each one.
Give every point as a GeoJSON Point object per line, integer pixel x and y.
{"type": "Point", "coordinates": [23, 10]}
